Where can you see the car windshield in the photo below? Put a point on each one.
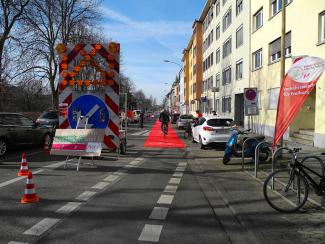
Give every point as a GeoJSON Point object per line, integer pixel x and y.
{"type": "Point", "coordinates": [219, 122]}
{"type": "Point", "coordinates": [49, 115]}
{"type": "Point", "coordinates": [186, 116]}
{"type": "Point", "coordinates": [138, 112]}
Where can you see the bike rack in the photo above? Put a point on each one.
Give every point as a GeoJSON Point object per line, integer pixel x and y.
{"type": "Point", "coordinates": [257, 154]}
{"type": "Point", "coordinates": [243, 149]}
{"type": "Point", "coordinates": [273, 162]}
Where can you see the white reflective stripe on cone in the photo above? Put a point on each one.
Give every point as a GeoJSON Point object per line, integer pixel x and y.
{"type": "Point", "coordinates": [24, 167]}
{"type": "Point", "coordinates": [29, 191]}
{"type": "Point", "coordinates": [29, 181]}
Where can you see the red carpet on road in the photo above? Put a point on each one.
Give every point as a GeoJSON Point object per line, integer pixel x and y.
{"type": "Point", "coordinates": [156, 138]}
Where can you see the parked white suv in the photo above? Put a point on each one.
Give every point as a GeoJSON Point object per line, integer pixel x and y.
{"type": "Point", "coordinates": [212, 129]}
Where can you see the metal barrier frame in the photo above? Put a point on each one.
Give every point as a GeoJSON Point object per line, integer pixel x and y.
{"type": "Point", "coordinates": [243, 149]}
{"type": "Point", "coordinates": [257, 154]}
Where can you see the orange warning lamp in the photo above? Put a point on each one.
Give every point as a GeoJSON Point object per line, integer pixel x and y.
{"type": "Point", "coordinates": [110, 82]}
{"type": "Point", "coordinates": [82, 63]}
{"type": "Point", "coordinates": [76, 68]}
{"type": "Point", "coordinates": [64, 74]}
{"type": "Point", "coordinates": [98, 46]}
{"type": "Point", "coordinates": [93, 52]}
{"type": "Point", "coordinates": [80, 82]}
{"type": "Point", "coordinates": [64, 57]}
{"type": "Point", "coordinates": [61, 48]}
{"type": "Point", "coordinates": [113, 47]}
{"type": "Point", "coordinates": [111, 74]}
{"type": "Point", "coordinates": [64, 82]}
{"type": "Point", "coordinates": [71, 82]}
{"type": "Point", "coordinates": [72, 74]}
{"type": "Point", "coordinates": [87, 83]}
{"type": "Point", "coordinates": [87, 57]}
{"type": "Point", "coordinates": [64, 66]}
{"type": "Point", "coordinates": [83, 53]}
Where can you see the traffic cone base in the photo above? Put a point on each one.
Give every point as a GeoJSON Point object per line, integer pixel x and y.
{"type": "Point", "coordinates": [23, 173]}
{"type": "Point", "coordinates": [29, 199]}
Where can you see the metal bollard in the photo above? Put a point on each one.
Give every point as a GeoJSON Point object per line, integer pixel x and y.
{"type": "Point", "coordinates": [257, 152]}
{"type": "Point", "coordinates": [243, 149]}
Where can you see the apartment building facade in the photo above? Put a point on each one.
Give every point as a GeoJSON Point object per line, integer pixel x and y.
{"type": "Point", "coordinates": [305, 35]}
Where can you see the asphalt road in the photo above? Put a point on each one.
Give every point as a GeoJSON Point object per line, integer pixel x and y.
{"type": "Point", "coordinates": [149, 195]}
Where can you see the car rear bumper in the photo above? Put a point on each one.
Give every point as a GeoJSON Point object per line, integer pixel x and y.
{"type": "Point", "coordinates": [218, 138]}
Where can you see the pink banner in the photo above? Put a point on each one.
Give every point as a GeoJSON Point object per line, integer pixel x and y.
{"type": "Point", "coordinates": [72, 147]}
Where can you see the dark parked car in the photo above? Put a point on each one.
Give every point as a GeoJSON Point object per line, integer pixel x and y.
{"type": "Point", "coordinates": [175, 118]}
{"type": "Point", "coordinates": [49, 118]}
{"type": "Point", "coordinates": [17, 130]}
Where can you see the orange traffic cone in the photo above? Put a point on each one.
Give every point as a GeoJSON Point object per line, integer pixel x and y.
{"type": "Point", "coordinates": [24, 166]}
{"type": "Point", "coordinates": [30, 195]}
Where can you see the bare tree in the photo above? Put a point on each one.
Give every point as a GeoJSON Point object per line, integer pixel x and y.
{"type": "Point", "coordinates": [51, 22]}
{"type": "Point", "coordinates": [10, 13]}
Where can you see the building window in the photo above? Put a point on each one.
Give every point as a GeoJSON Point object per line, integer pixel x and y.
{"type": "Point", "coordinates": [194, 69]}
{"type": "Point", "coordinates": [218, 56]}
{"type": "Point", "coordinates": [217, 7]}
{"type": "Point", "coordinates": [258, 19]}
{"type": "Point", "coordinates": [218, 32]}
{"type": "Point", "coordinates": [322, 26]}
{"type": "Point", "coordinates": [275, 48]}
{"type": "Point", "coordinates": [239, 37]}
{"type": "Point", "coordinates": [257, 59]}
{"type": "Point", "coordinates": [239, 6]}
{"type": "Point", "coordinates": [218, 80]}
{"type": "Point", "coordinates": [194, 52]}
{"type": "Point", "coordinates": [239, 70]}
{"type": "Point", "coordinates": [226, 49]}
{"type": "Point", "coordinates": [226, 104]}
{"type": "Point", "coordinates": [226, 22]}
{"type": "Point", "coordinates": [226, 76]}
{"type": "Point", "coordinates": [276, 6]}
{"type": "Point", "coordinates": [273, 98]}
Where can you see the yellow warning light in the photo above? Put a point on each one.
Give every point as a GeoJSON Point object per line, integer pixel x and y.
{"type": "Point", "coordinates": [72, 74]}
{"type": "Point", "coordinates": [64, 82]}
{"type": "Point", "coordinates": [113, 47]}
{"type": "Point", "coordinates": [61, 48]}
{"type": "Point", "coordinates": [71, 82]}
{"type": "Point", "coordinates": [93, 52]}
{"type": "Point", "coordinates": [64, 57]}
{"type": "Point", "coordinates": [64, 66]}
{"type": "Point", "coordinates": [80, 82]}
{"type": "Point", "coordinates": [87, 57]}
{"type": "Point", "coordinates": [64, 74]}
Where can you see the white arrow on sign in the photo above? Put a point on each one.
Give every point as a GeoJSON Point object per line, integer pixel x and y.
{"type": "Point", "coordinates": [89, 115]}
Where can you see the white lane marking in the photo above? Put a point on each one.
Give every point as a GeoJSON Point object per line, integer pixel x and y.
{"type": "Point", "coordinates": [171, 188]}
{"type": "Point", "coordinates": [139, 133]}
{"type": "Point", "coordinates": [68, 208]}
{"type": "Point", "coordinates": [100, 185]}
{"type": "Point", "coordinates": [130, 166]}
{"type": "Point", "coordinates": [120, 172]}
{"type": "Point", "coordinates": [85, 195]}
{"type": "Point", "coordinates": [174, 181]}
{"type": "Point", "coordinates": [146, 134]}
{"type": "Point", "coordinates": [159, 213]}
{"type": "Point", "coordinates": [134, 162]}
{"type": "Point", "coordinates": [41, 226]}
{"type": "Point", "coordinates": [182, 164]}
{"type": "Point", "coordinates": [139, 159]}
{"type": "Point", "coordinates": [165, 199]}
{"type": "Point", "coordinates": [8, 182]}
{"type": "Point", "coordinates": [111, 178]}
{"type": "Point", "coordinates": [150, 233]}
{"type": "Point", "coordinates": [180, 169]}
{"type": "Point", "coordinates": [178, 174]}
{"type": "Point", "coordinates": [17, 242]}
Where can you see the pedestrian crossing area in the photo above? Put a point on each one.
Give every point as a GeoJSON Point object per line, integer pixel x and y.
{"type": "Point", "coordinates": [141, 133]}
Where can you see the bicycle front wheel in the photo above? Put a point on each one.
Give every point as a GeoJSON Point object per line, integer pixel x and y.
{"type": "Point", "coordinates": [285, 191]}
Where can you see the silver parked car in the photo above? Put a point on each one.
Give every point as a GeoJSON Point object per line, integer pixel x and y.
{"type": "Point", "coordinates": [49, 118]}
{"type": "Point", "coordinates": [183, 119]}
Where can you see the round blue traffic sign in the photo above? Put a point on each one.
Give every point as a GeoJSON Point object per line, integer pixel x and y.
{"type": "Point", "coordinates": [88, 106]}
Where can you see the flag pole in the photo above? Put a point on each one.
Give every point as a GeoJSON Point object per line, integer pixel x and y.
{"type": "Point", "coordinates": [283, 49]}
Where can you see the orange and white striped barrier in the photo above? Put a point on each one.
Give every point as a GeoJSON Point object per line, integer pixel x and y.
{"type": "Point", "coordinates": [29, 195]}
{"type": "Point", "coordinates": [24, 166]}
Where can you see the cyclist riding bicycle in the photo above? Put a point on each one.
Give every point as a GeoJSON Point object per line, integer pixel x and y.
{"type": "Point", "coordinates": [164, 119]}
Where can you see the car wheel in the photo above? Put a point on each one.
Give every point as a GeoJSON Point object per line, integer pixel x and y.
{"type": "Point", "coordinates": [201, 143]}
{"type": "Point", "coordinates": [3, 147]}
{"type": "Point", "coordinates": [193, 139]}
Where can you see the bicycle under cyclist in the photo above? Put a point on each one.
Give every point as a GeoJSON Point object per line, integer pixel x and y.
{"type": "Point", "coordinates": [164, 119]}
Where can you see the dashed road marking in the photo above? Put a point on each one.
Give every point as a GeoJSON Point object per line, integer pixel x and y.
{"type": "Point", "coordinates": [101, 185]}
{"type": "Point", "coordinates": [17, 242]}
{"type": "Point", "coordinates": [130, 166]}
{"type": "Point", "coordinates": [151, 233]}
{"type": "Point", "coordinates": [86, 195]}
{"type": "Point", "coordinates": [182, 164]}
{"type": "Point", "coordinates": [174, 181]}
{"type": "Point", "coordinates": [159, 213]}
{"type": "Point", "coordinates": [41, 226]}
{"type": "Point", "coordinates": [111, 178]}
{"type": "Point", "coordinates": [180, 168]}
{"type": "Point", "coordinates": [178, 174]}
{"type": "Point", "coordinates": [140, 133]}
{"type": "Point", "coordinates": [165, 199]}
{"type": "Point", "coordinates": [171, 188]}
{"type": "Point", "coordinates": [68, 208]}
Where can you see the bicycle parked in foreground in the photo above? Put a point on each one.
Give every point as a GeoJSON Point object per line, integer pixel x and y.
{"type": "Point", "coordinates": [286, 190]}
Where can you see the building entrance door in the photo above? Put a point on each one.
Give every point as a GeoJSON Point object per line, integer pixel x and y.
{"type": "Point", "coordinates": [239, 109]}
